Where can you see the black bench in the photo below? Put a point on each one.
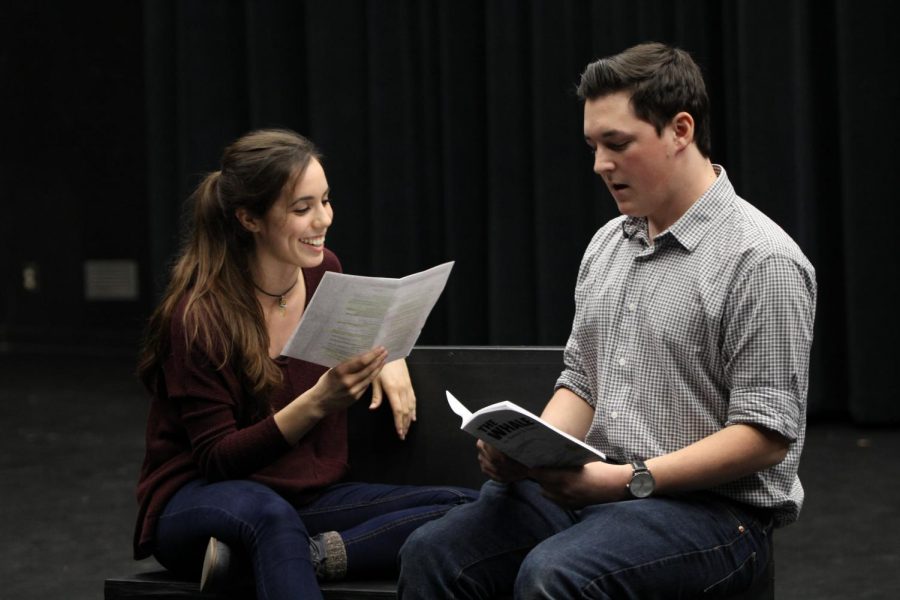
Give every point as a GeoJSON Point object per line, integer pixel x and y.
{"type": "Point", "coordinates": [435, 452]}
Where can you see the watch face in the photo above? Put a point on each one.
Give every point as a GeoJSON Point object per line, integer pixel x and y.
{"type": "Point", "coordinates": [641, 485]}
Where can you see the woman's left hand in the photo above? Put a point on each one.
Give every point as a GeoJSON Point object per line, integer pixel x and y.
{"type": "Point", "coordinates": [394, 382]}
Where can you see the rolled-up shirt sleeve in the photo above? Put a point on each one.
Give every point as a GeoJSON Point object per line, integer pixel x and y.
{"type": "Point", "coordinates": [577, 360]}
{"type": "Point", "coordinates": [767, 337]}
{"type": "Point", "coordinates": [573, 377]}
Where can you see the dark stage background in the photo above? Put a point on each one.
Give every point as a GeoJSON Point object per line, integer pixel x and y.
{"type": "Point", "coordinates": [451, 132]}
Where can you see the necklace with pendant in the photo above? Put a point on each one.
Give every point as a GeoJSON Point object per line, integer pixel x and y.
{"type": "Point", "coordinates": [282, 303]}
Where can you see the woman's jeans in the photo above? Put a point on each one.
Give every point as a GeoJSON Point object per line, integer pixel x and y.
{"type": "Point", "coordinates": [373, 520]}
{"type": "Point", "coordinates": [513, 541]}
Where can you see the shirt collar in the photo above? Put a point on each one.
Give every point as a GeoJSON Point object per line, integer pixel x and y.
{"type": "Point", "coordinates": [690, 228]}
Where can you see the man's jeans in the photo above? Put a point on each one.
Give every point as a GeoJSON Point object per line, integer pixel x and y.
{"type": "Point", "coordinates": [373, 520]}
{"type": "Point", "coordinates": [515, 541]}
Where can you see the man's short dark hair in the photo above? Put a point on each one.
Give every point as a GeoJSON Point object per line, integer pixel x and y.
{"type": "Point", "coordinates": [662, 80]}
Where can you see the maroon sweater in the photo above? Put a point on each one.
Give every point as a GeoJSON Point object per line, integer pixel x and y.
{"type": "Point", "coordinates": [194, 430]}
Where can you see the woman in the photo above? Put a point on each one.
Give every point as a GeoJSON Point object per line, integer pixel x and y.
{"type": "Point", "coordinates": [246, 447]}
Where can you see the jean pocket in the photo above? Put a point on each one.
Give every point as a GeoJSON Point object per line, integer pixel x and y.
{"type": "Point", "coordinates": [745, 517]}
{"type": "Point", "coordinates": [751, 528]}
{"type": "Point", "coordinates": [737, 581]}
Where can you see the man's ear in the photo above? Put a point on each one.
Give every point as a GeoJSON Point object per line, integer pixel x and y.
{"type": "Point", "coordinates": [683, 130]}
{"type": "Point", "coordinates": [247, 220]}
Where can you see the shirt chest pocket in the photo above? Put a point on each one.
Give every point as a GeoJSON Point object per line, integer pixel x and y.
{"type": "Point", "coordinates": [682, 322]}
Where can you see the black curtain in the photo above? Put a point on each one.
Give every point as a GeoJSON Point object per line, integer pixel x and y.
{"type": "Point", "coordinates": [451, 132]}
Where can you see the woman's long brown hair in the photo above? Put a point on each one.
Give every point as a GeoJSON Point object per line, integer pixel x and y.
{"type": "Point", "coordinates": [222, 317]}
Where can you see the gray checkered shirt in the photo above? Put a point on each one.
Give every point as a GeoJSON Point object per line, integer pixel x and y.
{"type": "Point", "coordinates": [709, 326]}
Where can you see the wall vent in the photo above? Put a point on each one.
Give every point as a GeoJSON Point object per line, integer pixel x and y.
{"type": "Point", "coordinates": [110, 280]}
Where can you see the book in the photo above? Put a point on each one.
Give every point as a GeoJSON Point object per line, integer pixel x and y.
{"type": "Point", "coordinates": [524, 436]}
{"type": "Point", "coordinates": [351, 314]}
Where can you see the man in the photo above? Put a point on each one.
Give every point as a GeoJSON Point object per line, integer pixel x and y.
{"type": "Point", "coordinates": [687, 364]}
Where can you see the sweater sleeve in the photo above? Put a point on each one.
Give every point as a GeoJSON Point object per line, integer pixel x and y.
{"type": "Point", "coordinates": [208, 397]}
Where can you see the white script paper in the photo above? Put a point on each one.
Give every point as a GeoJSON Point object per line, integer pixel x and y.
{"type": "Point", "coordinates": [351, 314]}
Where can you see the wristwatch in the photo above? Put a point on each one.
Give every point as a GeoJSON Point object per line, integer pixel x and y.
{"type": "Point", "coordinates": [642, 482]}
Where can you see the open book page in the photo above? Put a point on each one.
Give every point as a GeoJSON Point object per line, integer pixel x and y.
{"type": "Point", "coordinates": [351, 314]}
{"type": "Point", "coordinates": [524, 436]}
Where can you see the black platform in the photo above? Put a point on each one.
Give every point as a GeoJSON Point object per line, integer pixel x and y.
{"type": "Point", "coordinates": [162, 585]}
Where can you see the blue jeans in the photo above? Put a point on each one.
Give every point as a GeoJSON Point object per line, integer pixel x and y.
{"type": "Point", "coordinates": [513, 541]}
{"type": "Point", "coordinates": [373, 519]}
